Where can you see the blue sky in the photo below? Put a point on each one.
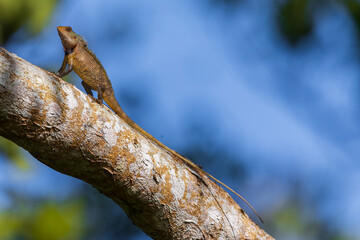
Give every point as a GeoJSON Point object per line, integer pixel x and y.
{"type": "Point", "coordinates": [286, 114]}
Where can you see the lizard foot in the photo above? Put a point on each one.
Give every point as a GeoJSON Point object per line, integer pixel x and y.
{"type": "Point", "coordinates": [58, 74]}
{"type": "Point", "coordinates": [95, 99]}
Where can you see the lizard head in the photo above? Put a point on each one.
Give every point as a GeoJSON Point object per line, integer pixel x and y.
{"type": "Point", "coordinates": [69, 38]}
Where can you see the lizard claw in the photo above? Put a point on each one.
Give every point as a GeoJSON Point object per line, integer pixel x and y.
{"type": "Point", "coordinates": [59, 75]}
{"type": "Point", "coordinates": [56, 73]}
{"type": "Point", "coordinates": [95, 99]}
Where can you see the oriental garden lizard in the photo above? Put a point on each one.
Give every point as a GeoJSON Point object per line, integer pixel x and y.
{"type": "Point", "coordinates": [82, 60]}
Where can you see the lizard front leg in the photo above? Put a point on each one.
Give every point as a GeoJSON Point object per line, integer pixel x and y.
{"type": "Point", "coordinates": [68, 60]}
{"type": "Point", "coordinates": [87, 88]}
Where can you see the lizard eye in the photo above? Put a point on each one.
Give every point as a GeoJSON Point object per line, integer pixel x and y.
{"type": "Point", "coordinates": [68, 29]}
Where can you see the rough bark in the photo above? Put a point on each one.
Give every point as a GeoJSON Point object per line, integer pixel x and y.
{"type": "Point", "coordinates": [66, 130]}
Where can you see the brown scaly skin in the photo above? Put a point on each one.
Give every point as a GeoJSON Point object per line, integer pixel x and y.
{"type": "Point", "coordinates": [85, 64]}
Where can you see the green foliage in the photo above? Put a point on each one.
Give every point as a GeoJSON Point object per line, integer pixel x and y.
{"type": "Point", "coordinates": [353, 7]}
{"type": "Point", "coordinates": [288, 220]}
{"type": "Point", "coordinates": [295, 17]}
{"type": "Point", "coordinates": [33, 15]}
{"type": "Point", "coordinates": [294, 20]}
{"type": "Point", "coordinates": [13, 153]}
{"type": "Point", "coordinates": [46, 221]}
{"type": "Point", "coordinates": [53, 221]}
{"type": "Point", "coordinates": [296, 219]}
{"type": "Point", "coordinates": [8, 225]}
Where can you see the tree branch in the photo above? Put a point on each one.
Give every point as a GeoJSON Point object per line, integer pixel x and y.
{"type": "Point", "coordinates": [66, 130]}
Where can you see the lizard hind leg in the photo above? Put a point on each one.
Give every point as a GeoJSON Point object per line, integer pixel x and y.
{"type": "Point", "coordinates": [89, 92]}
{"type": "Point", "coordinates": [87, 88]}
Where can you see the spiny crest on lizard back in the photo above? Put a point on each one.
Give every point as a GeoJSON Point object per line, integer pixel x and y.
{"type": "Point", "coordinates": [82, 40]}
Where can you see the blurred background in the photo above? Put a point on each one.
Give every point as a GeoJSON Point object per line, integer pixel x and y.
{"type": "Point", "coordinates": [264, 95]}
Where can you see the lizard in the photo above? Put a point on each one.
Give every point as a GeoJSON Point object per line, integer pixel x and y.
{"type": "Point", "coordinates": [80, 59]}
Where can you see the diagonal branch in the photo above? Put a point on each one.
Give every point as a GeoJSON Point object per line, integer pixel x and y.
{"type": "Point", "coordinates": [69, 132]}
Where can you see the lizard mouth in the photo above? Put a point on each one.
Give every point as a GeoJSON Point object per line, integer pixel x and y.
{"type": "Point", "coordinates": [60, 33]}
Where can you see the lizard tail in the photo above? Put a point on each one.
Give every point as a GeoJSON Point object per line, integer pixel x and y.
{"type": "Point", "coordinates": [224, 185]}
{"type": "Point", "coordinates": [115, 106]}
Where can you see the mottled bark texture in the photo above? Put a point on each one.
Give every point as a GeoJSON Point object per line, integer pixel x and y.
{"type": "Point", "coordinates": [66, 130]}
